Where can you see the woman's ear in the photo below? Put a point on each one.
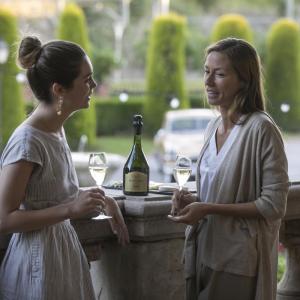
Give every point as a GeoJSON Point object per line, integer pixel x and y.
{"type": "Point", "coordinates": [57, 89]}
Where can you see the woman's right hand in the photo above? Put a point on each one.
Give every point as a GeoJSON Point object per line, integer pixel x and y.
{"type": "Point", "coordinates": [180, 200]}
{"type": "Point", "coordinates": [87, 202]}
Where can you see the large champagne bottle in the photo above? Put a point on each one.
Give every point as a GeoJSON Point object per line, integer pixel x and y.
{"type": "Point", "coordinates": [136, 169]}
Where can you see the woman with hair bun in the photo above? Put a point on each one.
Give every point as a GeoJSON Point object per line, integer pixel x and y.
{"type": "Point", "coordinates": [39, 191]}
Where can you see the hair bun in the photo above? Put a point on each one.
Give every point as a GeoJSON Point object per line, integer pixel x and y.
{"type": "Point", "coordinates": [29, 51]}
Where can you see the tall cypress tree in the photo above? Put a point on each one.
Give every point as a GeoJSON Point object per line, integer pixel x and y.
{"type": "Point", "coordinates": [232, 25]}
{"type": "Point", "coordinates": [165, 68]}
{"type": "Point", "coordinates": [72, 27]}
{"type": "Point", "coordinates": [12, 103]}
{"type": "Point", "coordinates": [283, 73]}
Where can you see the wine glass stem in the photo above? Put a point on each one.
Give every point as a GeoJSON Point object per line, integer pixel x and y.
{"type": "Point", "coordinates": [102, 211]}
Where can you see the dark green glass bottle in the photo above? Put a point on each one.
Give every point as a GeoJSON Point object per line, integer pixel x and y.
{"type": "Point", "coordinates": [136, 168]}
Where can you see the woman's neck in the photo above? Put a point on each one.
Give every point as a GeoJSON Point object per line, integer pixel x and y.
{"type": "Point", "coordinates": [45, 118]}
{"type": "Point", "coordinates": [228, 121]}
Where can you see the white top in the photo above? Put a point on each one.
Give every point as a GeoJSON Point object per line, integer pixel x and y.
{"type": "Point", "coordinates": [212, 160]}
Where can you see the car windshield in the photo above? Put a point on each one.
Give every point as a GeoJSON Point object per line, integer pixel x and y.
{"type": "Point", "coordinates": [189, 124]}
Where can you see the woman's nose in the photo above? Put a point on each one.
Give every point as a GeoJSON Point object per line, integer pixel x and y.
{"type": "Point", "coordinates": [94, 84]}
{"type": "Point", "coordinates": [208, 80]}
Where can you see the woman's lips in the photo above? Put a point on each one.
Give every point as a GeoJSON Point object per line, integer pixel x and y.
{"type": "Point", "coordinates": [212, 93]}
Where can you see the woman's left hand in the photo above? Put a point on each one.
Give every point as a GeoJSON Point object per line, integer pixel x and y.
{"type": "Point", "coordinates": [117, 223]}
{"type": "Point", "coordinates": [192, 213]}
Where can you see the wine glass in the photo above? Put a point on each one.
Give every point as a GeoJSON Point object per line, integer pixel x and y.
{"type": "Point", "coordinates": [182, 170]}
{"type": "Point", "coordinates": [97, 167]}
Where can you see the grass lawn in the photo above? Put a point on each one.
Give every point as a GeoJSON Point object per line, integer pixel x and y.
{"type": "Point", "coordinates": [120, 144]}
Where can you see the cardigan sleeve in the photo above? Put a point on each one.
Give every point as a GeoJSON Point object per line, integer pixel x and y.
{"type": "Point", "coordinates": [273, 167]}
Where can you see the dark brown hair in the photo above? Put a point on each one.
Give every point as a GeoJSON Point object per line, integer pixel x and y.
{"type": "Point", "coordinates": [246, 63]}
{"type": "Point", "coordinates": [53, 62]}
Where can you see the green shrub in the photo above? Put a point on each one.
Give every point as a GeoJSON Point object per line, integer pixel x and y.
{"type": "Point", "coordinates": [29, 107]}
{"type": "Point", "coordinates": [72, 27]}
{"type": "Point", "coordinates": [115, 117]}
{"type": "Point", "coordinates": [165, 68]}
{"type": "Point", "coordinates": [281, 266]}
{"type": "Point", "coordinates": [197, 99]}
{"type": "Point", "coordinates": [283, 73]}
{"type": "Point", "coordinates": [196, 44]}
{"type": "Point", "coordinates": [232, 25]}
{"type": "Point", "coordinates": [103, 63]}
{"type": "Point", "coordinates": [12, 104]}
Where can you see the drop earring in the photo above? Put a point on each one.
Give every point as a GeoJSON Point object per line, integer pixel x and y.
{"type": "Point", "coordinates": [59, 105]}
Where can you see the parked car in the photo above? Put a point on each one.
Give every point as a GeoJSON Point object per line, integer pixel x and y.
{"type": "Point", "coordinates": [182, 132]}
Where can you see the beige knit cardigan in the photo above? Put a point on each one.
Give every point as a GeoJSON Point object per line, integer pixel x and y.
{"type": "Point", "coordinates": [254, 170]}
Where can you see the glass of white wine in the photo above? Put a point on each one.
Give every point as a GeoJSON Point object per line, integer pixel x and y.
{"type": "Point", "coordinates": [97, 167]}
{"type": "Point", "coordinates": [182, 170]}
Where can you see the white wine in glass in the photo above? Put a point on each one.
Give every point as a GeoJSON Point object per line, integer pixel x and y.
{"type": "Point", "coordinates": [182, 170]}
{"type": "Point", "coordinates": [97, 168]}
{"type": "Point", "coordinates": [98, 174]}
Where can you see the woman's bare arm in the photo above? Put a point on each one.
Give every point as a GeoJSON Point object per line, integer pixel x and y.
{"type": "Point", "coordinates": [14, 179]}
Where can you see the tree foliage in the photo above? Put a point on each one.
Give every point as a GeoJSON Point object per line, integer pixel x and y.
{"type": "Point", "coordinates": [165, 68]}
{"type": "Point", "coordinates": [232, 25]}
{"type": "Point", "coordinates": [103, 63]}
{"type": "Point", "coordinates": [283, 72]}
{"type": "Point", "coordinates": [72, 27]}
{"type": "Point", "coordinates": [12, 104]}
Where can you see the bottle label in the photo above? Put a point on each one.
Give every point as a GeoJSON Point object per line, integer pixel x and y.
{"type": "Point", "coordinates": [136, 182]}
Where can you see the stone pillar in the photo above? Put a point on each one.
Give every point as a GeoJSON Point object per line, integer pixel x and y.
{"type": "Point", "coordinates": [289, 286]}
{"type": "Point", "coordinates": [150, 267]}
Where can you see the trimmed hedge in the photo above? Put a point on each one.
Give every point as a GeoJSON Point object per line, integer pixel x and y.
{"type": "Point", "coordinates": [232, 25]}
{"type": "Point", "coordinates": [165, 68]}
{"type": "Point", "coordinates": [72, 27]}
{"type": "Point", "coordinates": [12, 103]}
{"type": "Point", "coordinates": [114, 116]}
{"type": "Point", "coordinates": [198, 100]}
{"type": "Point", "coordinates": [283, 73]}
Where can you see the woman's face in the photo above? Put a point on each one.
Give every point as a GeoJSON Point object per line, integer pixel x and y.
{"type": "Point", "coordinates": [220, 79]}
{"type": "Point", "coordinates": [79, 95]}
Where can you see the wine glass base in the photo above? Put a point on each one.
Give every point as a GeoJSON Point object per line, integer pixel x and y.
{"type": "Point", "coordinates": [102, 217]}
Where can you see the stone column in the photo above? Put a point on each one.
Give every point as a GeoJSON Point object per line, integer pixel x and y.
{"type": "Point", "coordinates": [150, 267]}
{"type": "Point", "coordinates": [289, 286]}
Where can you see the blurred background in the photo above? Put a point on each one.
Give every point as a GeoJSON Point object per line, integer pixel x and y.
{"type": "Point", "coordinates": [148, 57]}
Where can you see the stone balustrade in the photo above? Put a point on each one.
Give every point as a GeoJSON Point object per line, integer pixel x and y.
{"type": "Point", "coordinates": [289, 286]}
{"type": "Point", "coordinates": [150, 266]}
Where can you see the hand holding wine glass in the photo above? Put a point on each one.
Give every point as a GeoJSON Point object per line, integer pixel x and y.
{"type": "Point", "coordinates": [97, 168]}
{"type": "Point", "coordinates": [182, 170]}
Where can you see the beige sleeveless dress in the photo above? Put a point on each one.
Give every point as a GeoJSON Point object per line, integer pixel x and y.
{"type": "Point", "coordinates": [46, 264]}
